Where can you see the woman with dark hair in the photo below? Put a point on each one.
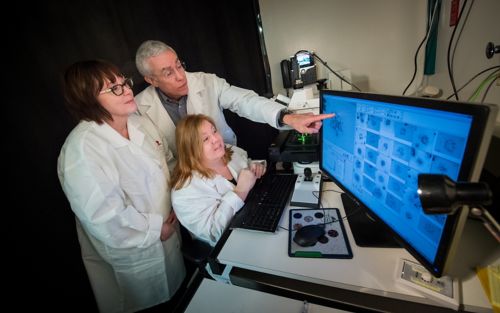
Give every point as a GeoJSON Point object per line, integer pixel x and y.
{"type": "Point", "coordinates": [115, 177]}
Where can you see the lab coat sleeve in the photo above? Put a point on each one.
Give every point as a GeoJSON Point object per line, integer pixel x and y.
{"type": "Point", "coordinates": [98, 201]}
{"type": "Point", "coordinates": [247, 103]}
{"type": "Point", "coordinates": [203, 210]}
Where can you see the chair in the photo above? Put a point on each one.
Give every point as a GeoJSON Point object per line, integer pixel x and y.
{"type": "Point", "coordinates": [195, 251]}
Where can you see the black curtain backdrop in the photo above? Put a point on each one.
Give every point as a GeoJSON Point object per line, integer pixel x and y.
{"type": "Point", "coordinates": [211, 36]}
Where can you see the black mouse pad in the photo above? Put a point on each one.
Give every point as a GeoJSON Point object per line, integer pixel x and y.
{"type": "Point", "coordinates": [333, 244]}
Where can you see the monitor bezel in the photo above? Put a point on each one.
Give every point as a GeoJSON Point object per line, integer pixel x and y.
{"type": "Point", "coordinates": [454, 223]}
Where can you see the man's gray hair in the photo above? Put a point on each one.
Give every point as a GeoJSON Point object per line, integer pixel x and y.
{"type": "Point", "coordinates": [148, 49]}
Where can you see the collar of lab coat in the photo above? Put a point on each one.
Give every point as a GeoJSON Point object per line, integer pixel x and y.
{"type": "Point", "coordinates": [117, 140]}
{"type": "Point", "coordinates": [195, 95]}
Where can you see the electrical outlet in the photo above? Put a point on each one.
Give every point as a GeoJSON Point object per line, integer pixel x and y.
{"type": "Point", "coordinates": [443, 290]}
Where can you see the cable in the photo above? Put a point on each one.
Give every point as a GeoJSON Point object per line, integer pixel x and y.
{"type": "Point", "coordinates": [478, 89]}
{"type": "Point", "coordinates": [316, 194]}
{"type": "Point", "coordinates": [336, 74]}
{"type": "Point", "coordinates": [415, 65]}
{"type": "Point", "coordinates": [450, 70]}
{"type": "Point", "coordinates": [488, 89]}
{"type": "Point", "coordinates": [333, 219]}
{"type": "Point", "coordinates": [460, 34]}
{"type": "Point", "coordinates": [342, 218]}
{"type": "Point", "coordinates": [474, 77]}
{"type": "Point", "coordinates": [487, 80]}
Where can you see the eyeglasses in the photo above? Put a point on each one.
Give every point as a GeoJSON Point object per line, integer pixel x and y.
{"type": "Point", "coordinates": [169, 73]}
{"type": "Point", "coordinates": [118, 90]}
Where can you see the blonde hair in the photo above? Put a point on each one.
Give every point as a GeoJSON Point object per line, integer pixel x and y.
{"type": "Point", "coordinates": [190, 150]}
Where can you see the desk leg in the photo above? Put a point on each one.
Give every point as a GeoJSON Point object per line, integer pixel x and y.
{"type": "Point", "coordinates": [223, 277]}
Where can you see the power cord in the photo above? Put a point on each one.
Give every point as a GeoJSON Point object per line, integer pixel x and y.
{"type": "Point", "coordinates": [415, 64]}
{"type": "Point", "coordinates": [488, 88]}
{"type": "Point", "coordinates": [334, 220]}
{"type": "Point", "coordinates": [460, 33]}
{"type": "Point", "coordinates": [474, 77]}
{"type": "Point", "coordinates": [488, 80]}
{"type": "Point", "coordinates": [317, 193]}
{"type": "Point", "coordinates": [335, 73]}
{"type": "Point", "coordinates": [450, 69]}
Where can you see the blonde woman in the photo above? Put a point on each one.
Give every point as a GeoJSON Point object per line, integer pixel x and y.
{"type": "Point", "coordinates": [211, 180]}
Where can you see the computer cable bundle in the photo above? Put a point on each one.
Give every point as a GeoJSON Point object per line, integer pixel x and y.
{"type": "Point", "coordinates": [489, 86]}
{"type": "Point", "coordinates": [488, 81]}
{"type": "Point", "coordinates": [474, 77]}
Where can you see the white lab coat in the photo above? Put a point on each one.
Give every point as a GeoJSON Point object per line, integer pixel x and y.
{"type": "Point", "coordinates": [205, 206]}
{"type": "Point", "coordinates": [118, 190]}
{"type": "Point", "coordinates": [209, 95]}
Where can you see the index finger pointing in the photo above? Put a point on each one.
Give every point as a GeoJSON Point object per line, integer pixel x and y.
{"type": "Point", "coordinates": [321, 117]}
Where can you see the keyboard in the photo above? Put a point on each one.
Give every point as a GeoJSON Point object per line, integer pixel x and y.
{"type": "Point", "coordinates": [265, 203]}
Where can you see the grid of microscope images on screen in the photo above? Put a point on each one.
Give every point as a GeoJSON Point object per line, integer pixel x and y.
{"type": "Point", "coordinates": [376, 150]}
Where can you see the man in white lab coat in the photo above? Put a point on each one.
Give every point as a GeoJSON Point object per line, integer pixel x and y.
{"type": "Point", "coordinates": [174, 93]}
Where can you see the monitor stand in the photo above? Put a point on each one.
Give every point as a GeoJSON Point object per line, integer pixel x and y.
{"type": "Point", "coordinates": [367, 232]}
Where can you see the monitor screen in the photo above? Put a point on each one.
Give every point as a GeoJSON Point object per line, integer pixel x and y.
{"type": "Point", "coordinates": [375, 147]}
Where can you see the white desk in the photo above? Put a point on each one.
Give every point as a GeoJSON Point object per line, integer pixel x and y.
{"type": "Point", "coordinates": [212, 296]}
{"type": "Point", "coordinates": [370, 271]}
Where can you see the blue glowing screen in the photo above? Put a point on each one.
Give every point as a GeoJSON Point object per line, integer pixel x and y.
{"type": "Point", "coordinates": [377, 149]}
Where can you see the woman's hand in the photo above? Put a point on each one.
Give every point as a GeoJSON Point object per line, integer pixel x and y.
{"type": "Point", "coordinates": [258, 168]}
{"type": "Point", "coordinates": [246, 181]}
{"type": "Point", "coordinates": [169, 226]}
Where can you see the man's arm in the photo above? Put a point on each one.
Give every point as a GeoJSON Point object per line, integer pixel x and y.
{"type": "Point", "coordinates": [248, 104]}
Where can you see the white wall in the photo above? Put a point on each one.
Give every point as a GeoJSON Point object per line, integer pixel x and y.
{"type": "Point", "coordinates": [377, 40]}
{"type": "Point", "coordinates": [483, 25]}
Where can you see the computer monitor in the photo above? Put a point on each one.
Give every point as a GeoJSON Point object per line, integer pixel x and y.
{"type": "Point", "coordinates": [375, 147]}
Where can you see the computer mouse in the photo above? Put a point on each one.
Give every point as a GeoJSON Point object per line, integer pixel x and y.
{"type": "Point", "coordinates": [307, 236]}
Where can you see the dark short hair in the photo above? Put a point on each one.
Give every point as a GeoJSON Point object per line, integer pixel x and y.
{"type": "Point", "coordinates": [82, 83]}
